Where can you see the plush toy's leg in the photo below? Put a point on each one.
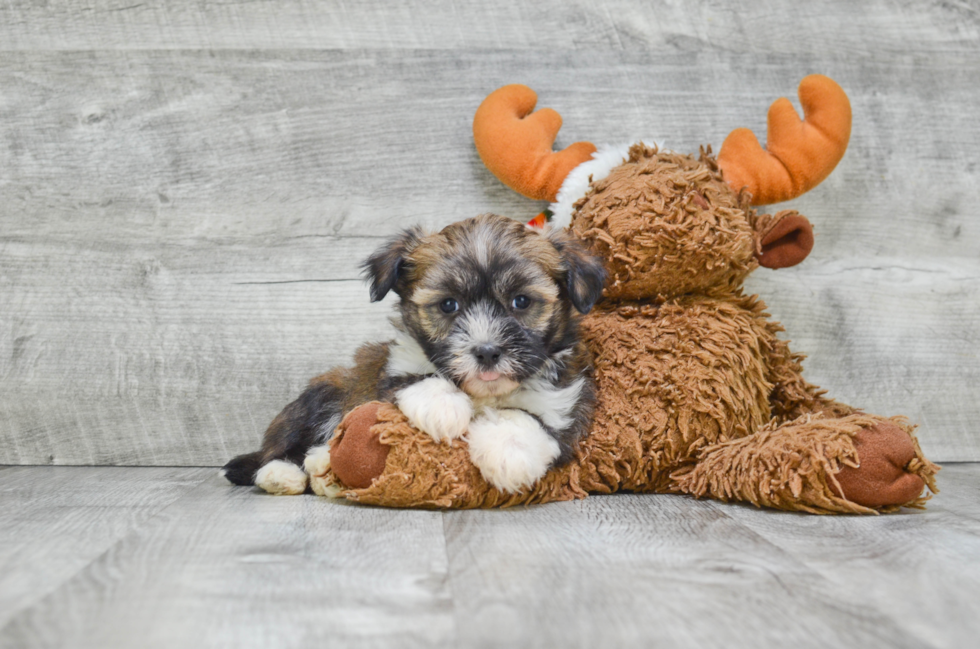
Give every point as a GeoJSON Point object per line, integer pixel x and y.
{"type": "Point", "coordinates": [377, 457]}
{"type": "Point", "coordinates": [424, 473]}
{"type": "Point", "coordinates": [853, 464]}
{"type": "Point", "coordinates": [892, 472]}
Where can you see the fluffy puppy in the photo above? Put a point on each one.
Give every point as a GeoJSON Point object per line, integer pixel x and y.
{"type": "Point", "coordinates": [486, 347]}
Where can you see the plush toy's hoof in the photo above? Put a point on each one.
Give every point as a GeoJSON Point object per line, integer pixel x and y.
{"type": "Point", "coordinates": [883, 478]}
{"type": "Point", "coordinates": [357, 456]}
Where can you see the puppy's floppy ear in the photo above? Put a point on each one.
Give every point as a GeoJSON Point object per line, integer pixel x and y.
{"type": "Point", "coordinates": [585, 274]}
{"type": "Point", "coordinates": [383, 267]}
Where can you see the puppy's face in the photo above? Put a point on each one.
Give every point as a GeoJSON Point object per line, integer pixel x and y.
{"type": "Point", "coordinates": [488, 299]}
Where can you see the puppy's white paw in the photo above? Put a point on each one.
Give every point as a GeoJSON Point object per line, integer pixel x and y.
{"type": "Point", "coordinates": [316, 464]}
{"type": "Point", "coordinates": [510, 448]}
{"type": "Point", "coordinates": [281, 478]}
{"type": "Point", "coordinates": [437, 407]}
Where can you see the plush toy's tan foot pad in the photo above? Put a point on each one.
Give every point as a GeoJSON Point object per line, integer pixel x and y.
{"type": "Point", "coordinates": [883, 478]}
{"type": "Point", "coordinates": [357, 456]}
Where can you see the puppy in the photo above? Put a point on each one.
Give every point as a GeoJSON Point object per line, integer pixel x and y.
{"type": "Point", "coordinates": [486, 346]}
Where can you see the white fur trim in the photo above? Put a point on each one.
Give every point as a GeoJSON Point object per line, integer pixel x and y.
{"type": "Point", "coordinates": [406, 357]}
{"type": "Point", "coordinates": [577, 182]}
{"type": "Point", "coordinates": [436, 406]}
{"type": "Point", "coordinates": [281, 478]}
{"type": "Point", "coordinates": [510, 448]}
{"type": "Point", "coordinates": [317, 463]}
{"type": "Point", "coordinates": [552, 404]}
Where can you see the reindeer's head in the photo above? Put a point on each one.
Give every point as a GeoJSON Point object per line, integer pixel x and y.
{"type": "Point", "coordinates": [669, 224]}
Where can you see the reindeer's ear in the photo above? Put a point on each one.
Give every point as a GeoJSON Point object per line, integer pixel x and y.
{"type": "Point", "coordinates": [786, 240]}
{"type": "Point", "coordinates": [383, 267]}
{"type": "Point", "coordinates": [585, 274]}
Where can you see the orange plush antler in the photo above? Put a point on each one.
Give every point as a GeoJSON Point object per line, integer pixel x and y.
{"type": "Point", "coordinates": [515, 144]}
{"type": "Point", "coordinates": [798, 154]}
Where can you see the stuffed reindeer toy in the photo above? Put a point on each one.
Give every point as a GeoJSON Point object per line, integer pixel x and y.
{"type": "Point", "coordinates": [695, 392]}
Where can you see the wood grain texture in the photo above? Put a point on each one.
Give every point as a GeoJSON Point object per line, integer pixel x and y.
{"type": "Point", "coordinates": [54, 523]}
{"type": "Point", "coordinates": [627, 570]}
{"type": "Point", "coordinates": [179, 230]}
{"type": "Point", "coordinates": [168, 347]}
{"type": "Point", "coordinates": [880, 29]}
{"type": "Point", "coordinates": [917, 590]}
{"type": "Point", "coordinates": [892, 336]}
{"type": "Point", "coordinates": [960, 489]}
{"type": "Point", "coordinates": [229, 566]}
{"type": "Point", "coordinates": [149, 557]}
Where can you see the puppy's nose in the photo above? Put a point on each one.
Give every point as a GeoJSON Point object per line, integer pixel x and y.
{"type": "Point", "coordinates": [488, 354]}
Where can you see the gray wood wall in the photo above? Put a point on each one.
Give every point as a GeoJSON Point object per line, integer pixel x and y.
{"type": "Point", "coordinates": [186, 189]}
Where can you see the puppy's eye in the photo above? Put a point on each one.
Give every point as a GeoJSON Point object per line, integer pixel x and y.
{"type": "Point", "coordinates": [449, 305]}
{"type": "Point", "coordinates": [521, 302]}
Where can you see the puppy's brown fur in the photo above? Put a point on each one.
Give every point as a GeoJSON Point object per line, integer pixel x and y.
{"type": "Point", "coordinates": [483, 265]}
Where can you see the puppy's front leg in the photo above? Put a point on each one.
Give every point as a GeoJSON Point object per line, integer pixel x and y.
{"type": "Point", "coordinates": [437, 407]}
{"type": "Point", "coordinates": [511, 448]}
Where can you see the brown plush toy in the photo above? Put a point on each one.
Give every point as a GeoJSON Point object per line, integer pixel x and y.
{"type": "Point", "coordinates": [696, 393]}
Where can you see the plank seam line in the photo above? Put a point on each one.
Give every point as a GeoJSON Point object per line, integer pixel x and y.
{"type": "Point", "coordinates": [297, 281]}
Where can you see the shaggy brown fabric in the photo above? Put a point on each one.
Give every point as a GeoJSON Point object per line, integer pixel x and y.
{"type": "Point", "coordinates": [421, 472]}
{"type": "Point", "coordinates": [648, 221]}
{"type": "Point", "coordinates": [794, 466]}
{"type": "Point", "coordinates": [696, 393]}
{"type": "Point", "coordinates": [670, 419]}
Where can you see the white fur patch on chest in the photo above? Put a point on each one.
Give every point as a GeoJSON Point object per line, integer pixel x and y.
{"type": "Point", "coordinates": [406, 357]}
{"type": "Point", "coordinates": [553, 405]}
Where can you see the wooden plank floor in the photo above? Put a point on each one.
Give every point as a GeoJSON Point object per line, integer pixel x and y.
{"type": "Point", "coordinates": [174, 557]}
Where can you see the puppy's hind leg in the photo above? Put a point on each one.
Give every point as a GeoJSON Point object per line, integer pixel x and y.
{"type": "Point", "coordinates": [281, 478]}
{"type": "Point", "coordinates": [308, 421]}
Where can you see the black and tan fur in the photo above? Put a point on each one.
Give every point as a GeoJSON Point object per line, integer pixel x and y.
{"type": "Point", "coordinates": [482, 263]}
